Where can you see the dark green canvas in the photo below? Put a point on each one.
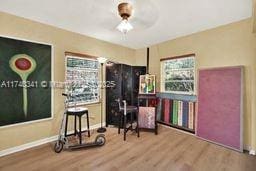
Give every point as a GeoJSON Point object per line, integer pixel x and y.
{"type": "Point", "coordinates": [38, 106]}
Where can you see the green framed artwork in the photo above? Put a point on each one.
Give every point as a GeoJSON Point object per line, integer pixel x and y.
{"type": "Point", "coordinates": [147, 84]}
{"type": "Point", "coordinates": [25, 79]}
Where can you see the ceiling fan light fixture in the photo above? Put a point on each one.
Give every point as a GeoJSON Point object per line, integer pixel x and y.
{"type": "Point", "coordinates": [124, 26]}
{"type": "Point", "coordinates": [125, 11]}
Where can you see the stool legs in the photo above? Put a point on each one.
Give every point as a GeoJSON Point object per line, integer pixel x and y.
{"type": "Point", "coordinates": [88, 126]}
{"type": "Point", "coordinates": [75, 131]}
{"type": "Point", "coordinates": [80, 130]}
{"type": "Point", "coordinates": [66, 125]}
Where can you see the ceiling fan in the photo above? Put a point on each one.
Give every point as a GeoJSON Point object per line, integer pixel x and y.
{"type": "Point", "coordinates": [135, 14]}
{"type": "Point", "coordinates": [125, 11]}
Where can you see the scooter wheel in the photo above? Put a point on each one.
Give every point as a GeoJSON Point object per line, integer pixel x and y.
{"type": "Point", "coordinates": [100, 140]}
{"type": "Point", "coordinates": [58, 146]}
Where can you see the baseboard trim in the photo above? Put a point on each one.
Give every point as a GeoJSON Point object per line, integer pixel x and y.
{"type": "Point", "coordinates": [247, 148]}
{"type": "Point", "coordinates": [252, 152]}
{"type": "Point", "coordinates": [38, 142]}
{"type": "Point", "coordinates": [27, 146]}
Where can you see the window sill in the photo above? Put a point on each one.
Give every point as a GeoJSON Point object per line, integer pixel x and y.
{"type": "Point", "coordinates": [175, 96]}
{"type": "Point", "coordinates": [85, 104]}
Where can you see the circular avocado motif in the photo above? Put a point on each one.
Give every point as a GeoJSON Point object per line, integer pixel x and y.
{"type": "Point", "coordinates": [23, 65]}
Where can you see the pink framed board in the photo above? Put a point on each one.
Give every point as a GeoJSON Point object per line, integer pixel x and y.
{"type": "Point", "coordinates": [220, 106]}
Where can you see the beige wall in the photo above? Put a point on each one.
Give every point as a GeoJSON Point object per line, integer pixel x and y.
{"type": "Point", "coordinates": [62, 41]}
{"type": "Point", "coordinates": [254, 16]}
{"type": "Point", "coordinates": [229, 45]}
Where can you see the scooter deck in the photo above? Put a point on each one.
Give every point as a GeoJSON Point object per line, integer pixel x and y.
{"type": "Point", "coordinates": [85, 145]}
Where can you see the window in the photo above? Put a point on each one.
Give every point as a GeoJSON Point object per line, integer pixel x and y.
{"type": "Point", "coordinates": [82, 78]}
{"type": "Point", "coordinates": [178, 74]}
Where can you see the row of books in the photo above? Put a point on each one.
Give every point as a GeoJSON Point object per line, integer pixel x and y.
{"type": "Point", "coordinates": [181, 113]}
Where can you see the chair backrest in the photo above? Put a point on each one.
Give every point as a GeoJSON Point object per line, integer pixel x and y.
{"type": "Point", "coordinates": [121, 108]}
{"type": "Point", "coordinates": [119, 104]}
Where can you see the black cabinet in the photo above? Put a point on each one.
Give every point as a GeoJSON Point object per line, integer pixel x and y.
{"type": "Point", "coordinates": [127, 83]}
{"type": "Point", "coordinates": [126, 79]}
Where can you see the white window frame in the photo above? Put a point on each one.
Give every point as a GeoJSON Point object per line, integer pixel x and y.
{"type": "Point", "coordinates": [98, 70]}
{"type": "Point", "coordinates": [162, 86]}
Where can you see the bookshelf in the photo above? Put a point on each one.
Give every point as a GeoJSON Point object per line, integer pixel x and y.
{"type": "Point", "coordinates": [177, 111]}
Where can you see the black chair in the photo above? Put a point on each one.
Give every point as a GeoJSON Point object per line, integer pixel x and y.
{"type": "Point", "coordinates": [125, 112]}
{"type": "Point", "coordinates": [77, 112]}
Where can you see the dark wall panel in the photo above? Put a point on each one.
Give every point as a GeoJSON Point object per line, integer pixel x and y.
{"type": "Point", "coordinates": [126, 80]}
{"type": "Point", "coordinates": [113, 73]}
{"type": "Point", "coordinates": [127, 83]}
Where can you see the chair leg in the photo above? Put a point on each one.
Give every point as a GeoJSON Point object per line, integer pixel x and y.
{"type": "Point", "coordinates": [131, 117]}
{"type": "Point", "coordinates": [125, 128]}
{"type": "Point", "coordinates": [156, 129]}
{"type": "Point", "coordinates": [119, 125]}
{"type": "Point", "coordinates": [138, 129]}
{"type": "Point", "coordinates": [88, 126]}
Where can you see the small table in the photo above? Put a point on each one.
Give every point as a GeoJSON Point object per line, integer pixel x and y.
{"type": "Point", "coordinates": [151, 102]}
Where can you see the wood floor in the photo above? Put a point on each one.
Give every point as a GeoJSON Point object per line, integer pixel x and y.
{"type": "Point", "coordinates": [170, 150]}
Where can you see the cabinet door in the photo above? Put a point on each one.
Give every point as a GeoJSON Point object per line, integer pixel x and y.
{"type": "Point", "coordinates": [127, 83]}
{"type": "Point", "coordinates": [126, 79]}
{"type": "Point", "coordinates": [113, 73]}
{"type": "Point", "coordinates": [136, 72]}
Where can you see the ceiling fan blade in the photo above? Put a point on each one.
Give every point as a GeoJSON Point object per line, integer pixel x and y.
{"type": "Point", "coordinates": [105, 13]}
{"type": "Point", "coordinates": [145, 14]}
{"type": "Point", "coordinates": [142, 23]}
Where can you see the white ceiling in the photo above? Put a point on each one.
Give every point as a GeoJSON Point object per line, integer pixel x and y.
{"type": "Point", "coordinates": [154, 21]}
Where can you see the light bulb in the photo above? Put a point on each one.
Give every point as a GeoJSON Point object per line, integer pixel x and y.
{"type": "Point", "coordinates": [124, 26]}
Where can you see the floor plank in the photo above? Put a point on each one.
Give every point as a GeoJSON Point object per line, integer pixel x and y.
{"type": "Point", "coordinates": [169, 150]}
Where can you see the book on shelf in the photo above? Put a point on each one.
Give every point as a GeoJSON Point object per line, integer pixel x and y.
{"type": "Point", "coordinates": [180, 113]}
{"type": "Point", "coordinates": [159, 109]}
{"type": "Point", "coordinates": [175, 112]}
{"type": "Point", "coordinates": [163, 110]}
{"type": "Point", "coordinates": [191, 115]}
{"type": "Point", "coordinates": [167, 110]}
{"type": "Point", "coordinates": [185, 114]}
{"type": "Point", "coordinates": [171, 111]}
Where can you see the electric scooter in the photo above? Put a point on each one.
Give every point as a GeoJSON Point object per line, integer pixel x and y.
{"type": "Point", "coordinates": [62, 141]}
